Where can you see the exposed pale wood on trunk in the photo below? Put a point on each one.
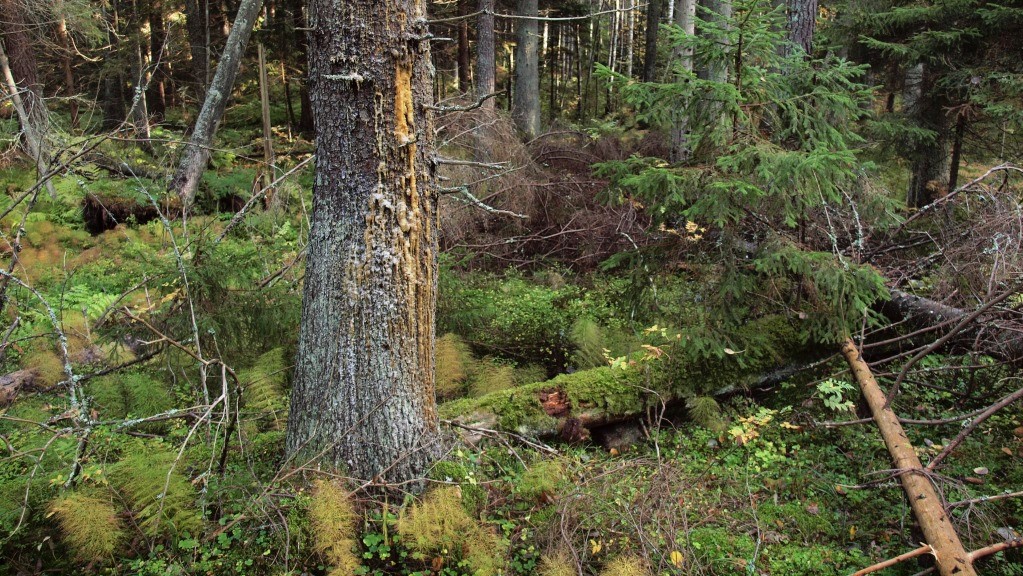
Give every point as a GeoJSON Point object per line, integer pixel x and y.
{"type": "Point", "coordinates": [952, 559]}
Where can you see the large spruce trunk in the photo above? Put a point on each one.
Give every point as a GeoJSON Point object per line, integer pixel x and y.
{"type": "Point", "coordinates": [363, 396]}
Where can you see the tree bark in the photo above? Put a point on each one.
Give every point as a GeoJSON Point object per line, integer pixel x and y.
{"type": "Point", "coordinates": [801, 19]}
{"type": "Point", "coordinates": [197, 152]}
{"type": "Point", "coordinates": [685, 18]}
{"type": "Point", "coordinates": [928, 508]}
{"type": "Point", "coordinates": [363, 396]}
{"type": "Point", "coordinates": [464, 61]}
{"type": "Point", "coordinates": [197, 25]}
{"type": "Point", "coordinates": [930, 158]}
{"type": "Point", "coordinates": [486, 78]}
{"type": "Point", "coordinates": [156, 96]}
{"type": "Point", "coordinates": [653, 23]}
{"type": "Point", "coordinates": [526, 102]}
{"type": "Point", "coordinates": [20, 78]}
{"type": "Point", "coordinates": [69, 76]}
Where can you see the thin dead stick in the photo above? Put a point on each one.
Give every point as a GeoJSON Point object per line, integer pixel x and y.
{"type": "Point", "coordinates": [924, 549]}
{"type": "Point", "coordinates": [973, 425]}
{"type": "Point", "coordinates": [980, 499]}
{"type": "Point", "coordinates": [948, 336]}
{"type": "Point", "coordinates": [996, 548]}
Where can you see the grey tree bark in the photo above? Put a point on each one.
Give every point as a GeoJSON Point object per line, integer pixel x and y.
{"type": "Point", "coordinates": [685, 18]}
{"type": "Point", "coordinates": [526, 100]}
{"type": "Point", "coordinates": [197, 152]}
{"type": "Point", "coordinates": [801, 19]}
{"type": "Point", "coordinates": [931, 159]}
{"type": "Point", "coordinates": [363, 395]}
{"type": "Point", "coordinates": [485, 58]}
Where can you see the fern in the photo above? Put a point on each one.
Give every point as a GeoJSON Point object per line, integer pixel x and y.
{"type": "Point", "coordinates": [705, 411]}
{"type": "Point", "coordinates": [162, 499]}
{"type": "Point", "coordinates": [590, 343]}
{"type": "Point", "coordinates": [89, 524]}
{"type": "Point", "coordinates": [625, 566]}
{"type": "Point", "coordinates": [439, 524]}
{"type": "Point", "coordinates": [556, 564]}
{"type": "Point", "coordinates": [332, 519]}
{"type": "Point", "coordinates": [453, 357]}
{"type": "Point", "coordinates": [265, 386]}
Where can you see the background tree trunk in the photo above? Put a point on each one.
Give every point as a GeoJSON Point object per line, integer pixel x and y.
{"type": "Point", "coordinates": [486, 78]}
{"type": "Point", "coordinates": [685, 18]}
{"type": "Point", "coordinates": [464, 60]}
{"type": "Point", "coordinates": [21, 78]}
{"type": "Point", "coordinates": [156, 96]}
{"type": "Point", "coordinates": [526, 100]}
{"type": "Point", "coordinates": [653, 23]}
{"type": "Point", "coordinates": [197, 152]}
{"type": "Point", "coordinates": [801, 18]}
{"type": "Point", "coordinates": [363, 395]}
{"type": "Point", "coordinates": [197, 25]}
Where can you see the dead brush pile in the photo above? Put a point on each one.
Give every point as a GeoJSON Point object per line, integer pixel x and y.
{"type": "Point", "coordinates": [509, 203]}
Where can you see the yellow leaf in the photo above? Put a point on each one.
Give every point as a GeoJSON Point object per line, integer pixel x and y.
{"type": "Point", "coordinates": [852, 532]}
{"type": "Point", "coordinates": [676, 558]}
{"type": "Point", "coordinates": [595, 547]}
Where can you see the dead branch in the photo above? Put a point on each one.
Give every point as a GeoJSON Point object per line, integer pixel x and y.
{"type": "Point", "coordinates": [973, 425]}
{"type": "Point", "coordinates": [925, 549]}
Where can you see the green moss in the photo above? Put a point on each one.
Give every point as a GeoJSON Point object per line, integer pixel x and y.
{"type": "Point", "coordinates": [600, 392]}
{"type": "Point", "coordinates": [807, 521]}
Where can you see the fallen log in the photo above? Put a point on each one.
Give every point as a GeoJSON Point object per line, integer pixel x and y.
{"type": "Point", "coordinates": [950, 556]}
{"type": "Point", "coordinates": [926, 316]}
{"type": "Point", "coordinates": [570, 406]}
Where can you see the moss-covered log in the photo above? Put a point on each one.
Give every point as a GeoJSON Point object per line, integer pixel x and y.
{"type": "Point", "coordinates": [570, 405]}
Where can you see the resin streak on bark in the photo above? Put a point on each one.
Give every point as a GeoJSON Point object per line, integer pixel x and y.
{"type": "Point", "coordinates": [363, 397]}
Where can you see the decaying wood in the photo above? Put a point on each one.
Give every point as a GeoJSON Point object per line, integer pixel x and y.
{"type": "Point", "coordinates": [924, 315]}
{"type": "Point", "coordinates": [952, 559]}
{"type": "Point", "coordinates": [11, 384]}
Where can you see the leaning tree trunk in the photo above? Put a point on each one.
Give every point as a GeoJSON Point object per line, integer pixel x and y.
{"type": "Point", "coordinates": [526, 104]}
{"type": "Point", "coordinates": [197, 152]}
{"type": "Point", "coordinates": [20, 77]}
{"type": "Point", "coordinates": [363, 395]}
{"type": "Point", "coordinates": [928, 506]}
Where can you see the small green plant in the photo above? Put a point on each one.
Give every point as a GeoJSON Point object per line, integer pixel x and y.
{"type": "Point", "coordinates": [835, 394]}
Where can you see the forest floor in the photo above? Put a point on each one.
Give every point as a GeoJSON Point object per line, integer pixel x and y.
{"type": "Point", "coordinates": [182, 475]}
